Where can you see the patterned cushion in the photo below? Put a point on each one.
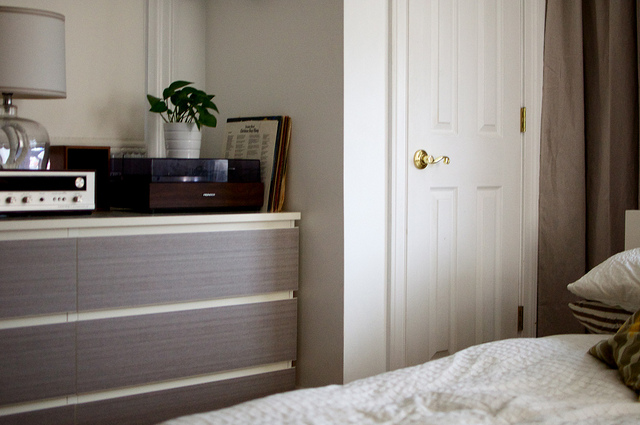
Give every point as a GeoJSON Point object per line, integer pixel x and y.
{"type": "Point", "coordinates": [622, 351]}
{"type": "Point", "coordinates": [599, 318]}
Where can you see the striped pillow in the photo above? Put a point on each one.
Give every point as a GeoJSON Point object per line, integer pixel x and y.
{"type": "Point", "coordinates": [599, 318]}
{"type": "Point", "coordinates": [622, 351]}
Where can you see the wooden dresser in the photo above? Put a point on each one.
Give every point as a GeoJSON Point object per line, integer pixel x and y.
{"type": "Point", "coordinates": [125, 318]}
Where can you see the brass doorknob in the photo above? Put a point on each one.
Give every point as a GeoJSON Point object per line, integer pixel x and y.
{"type": "Point", "coordinates": [421, 159]}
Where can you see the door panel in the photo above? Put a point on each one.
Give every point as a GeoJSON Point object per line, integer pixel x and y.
{"type": "Point", "coordinates": [463, 218]}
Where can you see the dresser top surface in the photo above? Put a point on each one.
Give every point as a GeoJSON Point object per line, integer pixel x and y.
{"type": "Point", "coordinates": [119, 223]}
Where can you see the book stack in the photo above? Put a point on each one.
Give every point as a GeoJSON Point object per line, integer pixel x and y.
{"type": "Point", "coordinates": [267, 139]}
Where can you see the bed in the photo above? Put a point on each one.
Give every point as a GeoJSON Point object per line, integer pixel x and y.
{"type": "Point", "coordinates": [591, 378]}
{"type": "Point", "coordinates": [547, 380]}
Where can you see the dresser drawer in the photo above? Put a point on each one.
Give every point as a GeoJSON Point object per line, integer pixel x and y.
{"type": "Point", "coordinates": [120, 352]}
{"type": "Point", "coordinates": [158, 406]}
{"type": "Point", "coordinates": [38, 277]}
{"type": "Point", "coordinates": [130, 271]}
{"type": "Point", "coordinates": [37, 362]}
{"type": "Point", "coordinates": [64, 415]}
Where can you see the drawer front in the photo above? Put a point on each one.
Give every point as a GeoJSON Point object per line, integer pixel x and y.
{"type": "Point", "coordinates": [127, 271]}
{"type": "Point", "coordinates": [38, 277]}
{"type": "Point", "coordinates": [37, 362]}
{"type": "Point", "coordinates": [56, 416]}
{"type": "Point", "coordinates": [163, 405]}
{"type": "Point", "coordinates": [119, 352]}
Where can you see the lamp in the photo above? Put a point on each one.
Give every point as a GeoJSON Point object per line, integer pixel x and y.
{"type": "Point", "coordinates": [32, 66]}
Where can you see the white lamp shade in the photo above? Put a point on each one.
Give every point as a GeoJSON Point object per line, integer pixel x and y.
{"type": "Point", "coordinates": [32, 53]}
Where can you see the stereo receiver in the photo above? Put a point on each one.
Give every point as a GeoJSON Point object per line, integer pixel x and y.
{"type": "Point", "coordinates": [23, 191]}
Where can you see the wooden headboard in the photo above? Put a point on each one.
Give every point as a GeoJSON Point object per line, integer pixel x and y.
{"type": "Point", "coordinates": [632, 229]}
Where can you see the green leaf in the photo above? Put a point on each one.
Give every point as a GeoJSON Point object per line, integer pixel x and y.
{"type": "Point", "coordinates": [157, 105]}
{"type": "Point", "coordinates": [206, 118]}
{"type": "Point", "coordinates": [210, 105]}
{"type": "Point", "coordinates": [189, 104]}
{"type": "Point", "coordinates": [153, 100]}
{"type": "Point", "coordinates": [188, 91]}
{"type": "Point", "coordinates": [173, 87]}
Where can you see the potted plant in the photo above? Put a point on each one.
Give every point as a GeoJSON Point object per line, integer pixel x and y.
{"type": "Point", "coordinates": [184, 110]}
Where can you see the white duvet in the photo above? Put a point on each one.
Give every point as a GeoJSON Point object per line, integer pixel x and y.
{"type": "Point", "coordinates": [548, 380]}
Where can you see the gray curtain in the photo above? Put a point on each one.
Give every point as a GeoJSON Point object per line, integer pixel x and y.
{"type": "Point", "coordinates": [589, 146]}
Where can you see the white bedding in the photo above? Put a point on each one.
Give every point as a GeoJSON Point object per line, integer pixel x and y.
{"type": "Point", "coordinates": [548, 380]}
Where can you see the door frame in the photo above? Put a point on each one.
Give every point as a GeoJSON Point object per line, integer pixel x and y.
{"type": "Point", "coordinates": [532, 17]}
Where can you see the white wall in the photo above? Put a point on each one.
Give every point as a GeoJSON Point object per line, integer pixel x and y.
{"type": "Point", "coordinates": [295, 58]}
{"type": "Point", "coordinates": [105, 60]}
{"type": "Point", "coordinates": [189, 38]}
{"type": "Point", "coordinates": [285, 57]}
{"type": "Point", "coordinates": [324, 63]}
{"type": "Point", "coordinates": [176, 35]}
{"type": "Point", "coordinates": [366, 68]}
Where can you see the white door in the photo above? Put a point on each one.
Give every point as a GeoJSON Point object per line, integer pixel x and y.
{"type": "Point", "coordinates": [464, 91]}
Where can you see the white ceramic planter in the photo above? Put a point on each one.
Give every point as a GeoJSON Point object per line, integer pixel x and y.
{"type": "Point", "coordinates": [182, 140]}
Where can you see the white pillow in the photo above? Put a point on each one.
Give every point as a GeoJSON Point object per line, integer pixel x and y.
{"type": "Point", "coordinates": [616, 281]}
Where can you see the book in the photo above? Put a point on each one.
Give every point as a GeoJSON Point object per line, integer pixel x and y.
{"type": "Point", "coordinates": [265, 138]}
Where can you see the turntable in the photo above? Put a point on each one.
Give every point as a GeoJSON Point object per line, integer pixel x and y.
{"type": "Point", "coordinates": [170, 184]}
